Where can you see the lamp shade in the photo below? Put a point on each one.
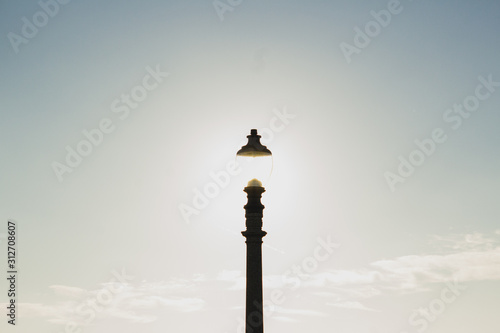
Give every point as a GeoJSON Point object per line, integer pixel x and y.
{"type": "Point", "coordinates": [253, 148]}
{"type": "Point", "coordinates": [255, 160]}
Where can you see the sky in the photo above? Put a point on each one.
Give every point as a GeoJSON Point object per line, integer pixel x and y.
{"type": "Point", "coordinates": [119, 125]}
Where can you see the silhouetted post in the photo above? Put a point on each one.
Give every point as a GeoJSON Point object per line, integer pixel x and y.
{"type": "Point", "coordinates": [254, 234]}
{"type": "Point", "coordinates": [254, 151]}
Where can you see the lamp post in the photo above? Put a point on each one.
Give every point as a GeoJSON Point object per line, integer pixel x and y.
{"type": "Point", "coordinates": [249, 154]}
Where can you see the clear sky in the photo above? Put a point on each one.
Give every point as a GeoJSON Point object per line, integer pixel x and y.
{"type": "Point", "coordinates": [120, 120]}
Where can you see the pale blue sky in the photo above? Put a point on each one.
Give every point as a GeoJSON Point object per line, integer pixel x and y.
{"type": "Point", "coordinates": [335, 127]}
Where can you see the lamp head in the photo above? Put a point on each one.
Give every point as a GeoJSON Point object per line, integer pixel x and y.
{"type": "Point", "coordinates": [256, 160]}
{"type": "Point", "coordinates": [253, 148]}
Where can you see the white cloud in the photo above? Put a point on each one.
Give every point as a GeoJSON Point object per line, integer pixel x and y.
{"type": "Point", "coordinates": [465, 242]}
{"type": "Point", "coordinates": [466, 266]}
{"type": "Point", "coordinates": [351, 305]}
{"type": "Point", "coordinates": [183, 304]}
{"type": "Point", "coordinates": [140, 302]}
{"type": "Point", "coordinates": [284, 312]}
{"type": "Point", "coordinates": [286, 319]}
{"type": "Point", "coordinates": [66, 291]}
{"type": "Point", "coordinates": [129, 315]}
{"type": "Point", "coordinates": [227, 275]}
{"type": "Point", "coordinates": [36, 310]}
{"type": "Point", "coordinates": [234, 277]}
{"type": "Point", "coordinates": [473, 257]}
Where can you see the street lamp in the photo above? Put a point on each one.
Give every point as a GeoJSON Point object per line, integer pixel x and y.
{"type": "Point", "coordinates": [257, 162]}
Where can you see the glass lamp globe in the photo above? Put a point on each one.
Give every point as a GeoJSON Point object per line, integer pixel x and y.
{"type": "Point", "coordinates": [255, 160]}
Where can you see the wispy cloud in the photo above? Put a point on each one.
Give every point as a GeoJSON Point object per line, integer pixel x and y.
{"type": "Point", "coordinates": [351, 305]}
{"type": "Point", "coordinates": [293, 315]}
{"type": "Point", "coordinates": [70, 292]}
{"type": "Point", "coordinates": [468, 257]}
{"type": "Point", "coordinates": [469, 265]}
{"type": "Point", "coordinates": [465, 242]}
{"type": "Point", "coordinates": [233, 277]}
{"type": "Point", "coordinates": [140, 302]}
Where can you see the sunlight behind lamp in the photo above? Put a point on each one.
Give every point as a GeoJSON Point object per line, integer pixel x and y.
{"type": "Point", "coordinates": [255, 160]}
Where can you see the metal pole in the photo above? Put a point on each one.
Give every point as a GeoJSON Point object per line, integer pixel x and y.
{"type": "Point", "coordinates": [254, 234]}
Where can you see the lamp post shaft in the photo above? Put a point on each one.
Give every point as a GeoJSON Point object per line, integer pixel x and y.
{"type": "Point", "coordinates": [253, 235]}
